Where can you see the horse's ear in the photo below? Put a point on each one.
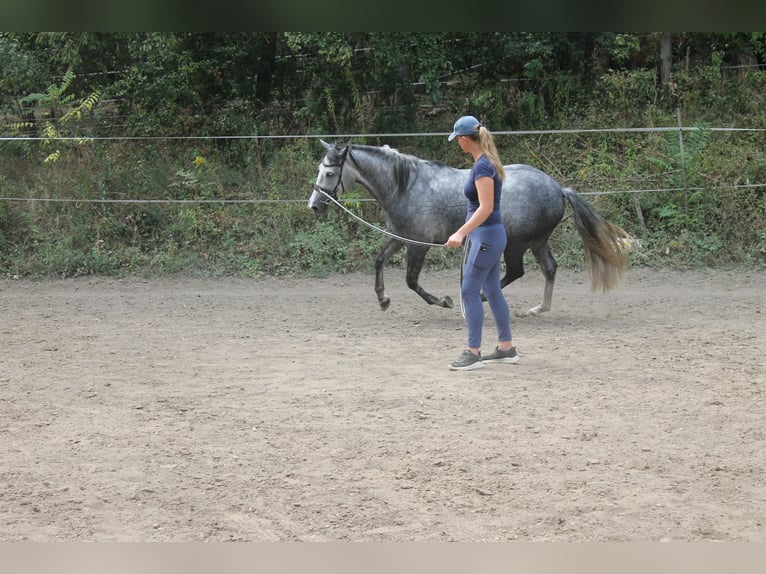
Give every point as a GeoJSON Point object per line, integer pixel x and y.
{"type": "Point", "coordinates": [325, 145]}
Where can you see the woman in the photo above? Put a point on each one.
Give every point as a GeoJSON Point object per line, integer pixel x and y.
{"type": "Point", "coordinates": [484, 228]}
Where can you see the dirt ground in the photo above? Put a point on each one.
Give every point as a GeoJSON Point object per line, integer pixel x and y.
{"type": "Point", "coordinates": [294, 409]}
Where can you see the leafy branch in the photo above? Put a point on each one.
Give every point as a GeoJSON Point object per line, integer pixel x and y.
{"type": "Point", "coordinates": [56, 101]}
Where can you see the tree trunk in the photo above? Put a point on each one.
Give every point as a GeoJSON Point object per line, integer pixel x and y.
{"type": "Point", "coordinates": [666, 57]}
{"type": "Point", "coordinates": [265, 68]}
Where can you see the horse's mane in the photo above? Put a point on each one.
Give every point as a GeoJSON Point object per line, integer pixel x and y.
{"type": "Point", "coordinates": [406, 167]}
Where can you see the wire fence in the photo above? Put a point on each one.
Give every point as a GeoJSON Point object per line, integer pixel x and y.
{"type": "Point", "coordinates": [354, 200]}
{"type": "Point", "coordinates": [680, 129]}
{"type": "Point", "coordinates": [377, 135]}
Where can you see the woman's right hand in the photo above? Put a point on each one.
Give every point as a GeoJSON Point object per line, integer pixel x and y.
{"type": "Point", "coordinates": [455, 240]}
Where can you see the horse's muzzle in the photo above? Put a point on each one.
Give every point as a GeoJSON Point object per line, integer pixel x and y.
{"type": "Point", "coordinates": [321, 197]}
{"type": "Point", "coordinates": [317, 202]}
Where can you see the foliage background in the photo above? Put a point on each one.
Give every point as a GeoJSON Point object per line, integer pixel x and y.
{"type": "Point", "coordinates": [184, 107]}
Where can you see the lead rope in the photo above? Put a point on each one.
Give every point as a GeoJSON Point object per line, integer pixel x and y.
{"type": "Point", "coordinates": [403, 239]}
{"type": "Point", "coordinates": [466, 250]}
{"type": "Point", "coordinates": [378, 229]}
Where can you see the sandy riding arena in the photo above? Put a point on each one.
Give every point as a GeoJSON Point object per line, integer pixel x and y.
{"type": "Point", "coordinates": [293, 409]}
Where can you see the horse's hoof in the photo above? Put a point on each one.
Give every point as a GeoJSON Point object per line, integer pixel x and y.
{"type": "Point", "coordinates": [534, 312]}
{"type": "Point", "coordinates": [384, 303]}
{"type": "Point", "coordinates": [447, 302]}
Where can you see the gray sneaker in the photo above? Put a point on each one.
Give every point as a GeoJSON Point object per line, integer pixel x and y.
{"type": "Point", "coordinates": [467, 361]}
{"type": "Point", "coordinates": [500, 356]}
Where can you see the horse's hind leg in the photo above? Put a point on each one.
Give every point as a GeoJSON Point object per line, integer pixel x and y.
{"type": "Point", "coordinates": [514, 264]}
{"type": "Point", "coordinates": [542, 252]}
{"type": "Point", "coordinates": [416, 255]}
{"type": "Point", "coordinates": [391, 247]}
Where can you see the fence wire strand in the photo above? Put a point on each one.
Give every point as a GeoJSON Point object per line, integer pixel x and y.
{"type": "Point", "coordinates": [341, 200]}
{"type": "Point", "coordinates": [352, 136]}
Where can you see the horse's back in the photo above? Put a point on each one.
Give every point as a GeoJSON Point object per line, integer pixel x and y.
{"type": "Point", "coordinates": [522, 177]}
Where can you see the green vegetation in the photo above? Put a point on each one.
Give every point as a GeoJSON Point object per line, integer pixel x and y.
{"type": "Point", "coordinates": [102, 214]}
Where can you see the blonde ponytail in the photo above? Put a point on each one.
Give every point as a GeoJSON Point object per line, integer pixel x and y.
{"type": "Point", "coordinates": [487, 144]}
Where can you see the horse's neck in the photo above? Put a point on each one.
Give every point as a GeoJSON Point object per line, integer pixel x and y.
{"type": "Point", "coordinates": [380, 174]}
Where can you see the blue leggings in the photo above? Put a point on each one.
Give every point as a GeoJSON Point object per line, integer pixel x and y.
{"type": "Point", "coordinates": [482, 273]}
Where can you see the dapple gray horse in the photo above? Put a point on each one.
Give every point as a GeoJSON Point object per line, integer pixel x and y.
{"type": "Point", "coordinates": [423, 201]}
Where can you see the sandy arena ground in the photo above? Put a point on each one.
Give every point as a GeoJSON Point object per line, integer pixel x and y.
{"type": "Point", "coordinates": [293, 409]}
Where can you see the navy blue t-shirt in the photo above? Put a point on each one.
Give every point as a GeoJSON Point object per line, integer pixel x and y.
{"type": "Point", "coordinates": [484, 168]}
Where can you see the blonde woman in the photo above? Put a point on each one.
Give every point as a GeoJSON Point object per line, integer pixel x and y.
{"type": "Point", "coordinates": [484, 228]}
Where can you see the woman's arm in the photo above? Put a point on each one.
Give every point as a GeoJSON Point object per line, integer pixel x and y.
{"type": "Point", "coordinates": [485, 186]}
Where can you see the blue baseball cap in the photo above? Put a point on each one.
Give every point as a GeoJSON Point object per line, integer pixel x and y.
{"type": "Point", "coordinates": [465, 126]}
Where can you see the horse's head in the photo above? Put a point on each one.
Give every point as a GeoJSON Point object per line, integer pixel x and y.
{"type": "Point", "coordinates": [330, 178]}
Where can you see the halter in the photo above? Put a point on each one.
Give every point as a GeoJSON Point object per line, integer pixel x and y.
{"type": "Point", "coordinates": [327, 196]}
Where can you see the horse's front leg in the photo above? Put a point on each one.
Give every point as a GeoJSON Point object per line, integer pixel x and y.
{"type": "Point", "coordinates": [391, 247]}
{"type": "Point", "coordinates": [416, 255]}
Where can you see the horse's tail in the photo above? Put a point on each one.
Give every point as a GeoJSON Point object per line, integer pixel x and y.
{"type": "Point", "coordinates": [605, 252]}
